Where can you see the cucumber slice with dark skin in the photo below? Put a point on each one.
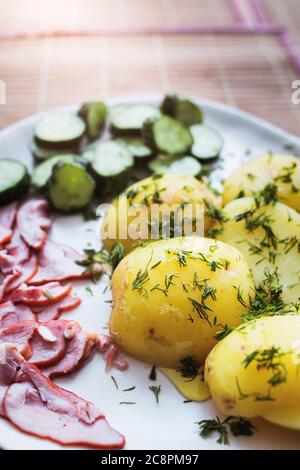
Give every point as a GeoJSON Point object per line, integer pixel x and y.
{"type": "Point", "coordinates": [130, 119]}
{"type": "Point", "coordinates": [111, 158]}
{"type": "Point", "coordinates": [42, 153]}
{"type": "Point", "coordinates": [185, 111]}
{"type": "Point", "coordinates": [94, 115]}
{"type": "Point", "coordinates": [185, 166]}
{"type": "Point", "coordinates": [14, 180]}
{"type": "Point", "coordinates": [70, 187]}
{"type": "Point", "coordinates": [111, 163]}
{"type": "Point", "coordinates": [208, 143]}
{"type": "Point", "coordinates": [137, 147]}
{"type": "Point", "coordinates": [42, 173]}
{"type": "Point", "coordinates": [166, 135]}
{"type": "Point", "coordinates": [59, 130]}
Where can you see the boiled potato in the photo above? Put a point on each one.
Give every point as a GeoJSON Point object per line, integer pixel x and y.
{"type": "Point", "coordinates": [269, 238]}
{"type": "Point", "coordinates": [254, 371]}
{"type": "Point", "coordinates": [167, 191]}
{"type": "Point", "coordinates": [280, 170]}
{"type": "Point", "coordinates": [171, 297]}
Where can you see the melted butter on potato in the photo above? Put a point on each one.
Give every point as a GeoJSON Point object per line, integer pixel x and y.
{"type": "Point", "coordinates": [195, 389]}
{"type": "Point", "coordinates": [171, 297]}
{"type": "Point", "coordinates": [254, 371]}
{"type": "Point", "coordinates": [280, 170]}
{"type": "Point", "coordinates": [169, 190]}
{"type": "Point", "coordinates": [269, 238]}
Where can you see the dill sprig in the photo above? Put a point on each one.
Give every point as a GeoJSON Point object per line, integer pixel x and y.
{"type": "Point", "coordinates": [236, 426]}
{"type": "Point", "coordinates": [141, 278]}
{"type": "Point", "coordinates": [268, 298]}
{"type": "Point", "coordinates": [267, 359]}
{"type": "Point", "coordinates": [223, 333]}
{"type": "Point", "coordinates": [93, 258]}
{"type": "Point", "coordinates": [155, 389]}
{"type": "Point", "coordinates": [190, 368]}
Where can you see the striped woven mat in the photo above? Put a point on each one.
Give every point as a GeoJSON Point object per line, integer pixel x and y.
{"type": "Point", "coordinates": [241, 52]}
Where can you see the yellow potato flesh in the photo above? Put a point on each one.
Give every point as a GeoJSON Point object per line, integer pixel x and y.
{"type": "Point", "coordinates": [161, 325]}
{"type": "Point", "coordinates": [169, 190]}
{"type": "Point", "coordinates": [285, 223]}
{"type": "Point", "coordinates": [257, 173]}
{"type": "Point", "coordinates": [244, 391]}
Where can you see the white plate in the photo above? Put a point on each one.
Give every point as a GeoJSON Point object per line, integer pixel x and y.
{"type": "Point", "coordinates": [171, 424]}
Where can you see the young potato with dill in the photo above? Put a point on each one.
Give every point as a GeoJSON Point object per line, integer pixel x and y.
{"type": "Point", "coordinates": [254, 371]}
{"type": "Point", "coordinates": [172, 297]}
{"type": "Point", "coordinates": [268, 235]}
{"type": "Point", "coordinates": [166, 190]}
{"type": "Point", "coordinates": [282, 171]}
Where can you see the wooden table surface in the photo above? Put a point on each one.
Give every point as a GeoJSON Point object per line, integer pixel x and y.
{"type": "Point", "coordinates": [251, 71]}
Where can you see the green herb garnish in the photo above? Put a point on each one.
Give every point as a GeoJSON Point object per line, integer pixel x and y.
{"type": "Point", "coordinates": [156, 390]}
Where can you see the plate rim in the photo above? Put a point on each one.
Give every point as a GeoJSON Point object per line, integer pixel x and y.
{"type": "Point", "coordinates": [148, 98]}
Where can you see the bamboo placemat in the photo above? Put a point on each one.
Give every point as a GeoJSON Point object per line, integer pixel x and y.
{"type": "Point", "coordinates": [249, 71]}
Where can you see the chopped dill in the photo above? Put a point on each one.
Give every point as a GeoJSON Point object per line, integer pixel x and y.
{"type": "Point", "coordinates": [129, 389]}
{"type": "Point", "coordinates": [156, 391]}
{"type": "Point", "coordinates": [237, 427]}
{"type": "Point", "coordinates": [89, 290]}
{"type": "Point", "coordinates": [152, 375]}
{"type": "Point", "coordinates": [190, 368]}
{"type": "Point", "coordinates": [114, 381]}
{"type": "Point", "coordinates": [223, 333]}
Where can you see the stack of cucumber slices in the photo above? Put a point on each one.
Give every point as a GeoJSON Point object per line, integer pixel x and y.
{"type": "Point", "coordinates": [99, 151]}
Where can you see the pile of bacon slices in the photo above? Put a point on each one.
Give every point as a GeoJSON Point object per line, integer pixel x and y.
{"type": "Point", "coordinates": [35, 344]}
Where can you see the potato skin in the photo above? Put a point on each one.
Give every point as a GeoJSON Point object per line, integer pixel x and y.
{"type": "Point", "coordinates": [257, 173]}
{"type": "Point", "coordinates": [168, 189]}
{"type": "Point", "coordinates": [164, 328]}
{"type": "Point", "coordinates": [235, 388]}
{"type": "Point", "coordinates": [285, 224]}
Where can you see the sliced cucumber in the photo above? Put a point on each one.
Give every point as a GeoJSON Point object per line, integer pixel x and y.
{"type": "Point", "coordinates": [137, 147]}
{"type": "Point", "coordinates": [115, 110]}
{"type": "Point", "coordinates": [14, 180]}
{"type": "Point", "coordinates": [112, 160]}
{"type": "Point", "coordinates": [185, 166]}
{"type": "Point", "coordinates": [70, 187]}
{"type": "Point", "coordinates": [59, 129]}
{"type": "Point", "coordinates": [130, 120]}
{"type": "Point", "coordinates": [42, 173]}
{"type": "Point", "coordinates": [88, 154]}
{"type": "Point", "coordinates": [94, 115]}
{"type": "Point", "coordinates": [167, 135]}
{"type": "Point", "coordinates": [208, 143]}
{"type": "Point", "coordinates": [42, 153]}
{"type": "Point", "coordinates": [185, 111]}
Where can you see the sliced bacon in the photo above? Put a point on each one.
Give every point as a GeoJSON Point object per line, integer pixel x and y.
{"type": "Point", "coordinates": [4, 282]}
{"type": "Point", "coordinates": [20, 335]}
{"type": "Point", "coordinates": [7, 218]}
{"type": "Point", "coordinates": [27, 271]}
{"type": "Point", "coordinates": [54, 311]}
{"type": "Point", "coordinates": [5, 235]}
{"type": "Point", "coordinates": [40, 296]}
{"type": "Point", "coordinates": [9, 364]}
{"type": "Point", "coordinates": [57, 263]}
{"type": "Point", "coordinates": [41, 408]}
{"type": "Point", "coordinates": [79, 347]}
{"type": "Point", "coordinates": [18, 249]}
{"type": "Point", "coordinates": [10, 314]}
{"type": "Point", "coordinates": [105, 345]}
{"type": "Point", "coordinates": [48, 343]}
{"type": "Point", "coordinates": [33, 222]}
{"type": "Point", "coordinates": [8, 215]}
